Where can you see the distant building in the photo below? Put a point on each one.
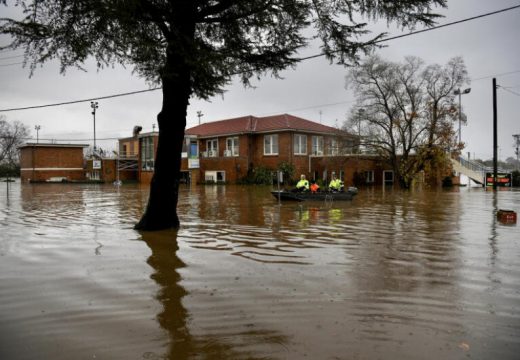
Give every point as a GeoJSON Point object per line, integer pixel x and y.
{"type": "Point", "coordinates": [52, 162]}
{"type": "Point", "coordinates": [228, 150]}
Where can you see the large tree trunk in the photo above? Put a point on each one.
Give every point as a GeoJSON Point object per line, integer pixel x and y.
{"type": "Point", "coordinates": [161, 211]}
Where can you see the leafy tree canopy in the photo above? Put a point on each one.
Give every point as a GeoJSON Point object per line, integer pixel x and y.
{"type": "Point", "coordinates": [216, 39]}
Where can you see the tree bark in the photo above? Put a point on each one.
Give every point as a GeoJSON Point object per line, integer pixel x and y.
{"type": "Point", "coordinates": [161, 211]}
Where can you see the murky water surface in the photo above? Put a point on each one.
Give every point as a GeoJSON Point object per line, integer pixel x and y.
{"type": "Point", "coordinates": [391, 275]}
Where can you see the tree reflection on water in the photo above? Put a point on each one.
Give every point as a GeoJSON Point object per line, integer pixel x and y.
{"type": "Point", "coordinates": [175, 317]}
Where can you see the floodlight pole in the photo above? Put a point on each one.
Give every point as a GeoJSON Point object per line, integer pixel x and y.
{"type": "Point", "coordinates": [94, 105]}
{"type": "Point", "coordinates": [37, 128]}
{"type": "Point", "coordinates": [460, 93]}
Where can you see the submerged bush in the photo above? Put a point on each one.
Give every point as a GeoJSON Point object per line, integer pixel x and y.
{"type": "Point", "coordinates": [447, 182]}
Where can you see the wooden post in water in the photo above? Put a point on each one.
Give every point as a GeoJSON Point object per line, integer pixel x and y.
{"type": "Point", "coordinates": [495, 145]}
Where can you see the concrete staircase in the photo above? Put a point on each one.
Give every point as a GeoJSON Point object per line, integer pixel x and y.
{"type": "Point", "coordinates": [471, 169]}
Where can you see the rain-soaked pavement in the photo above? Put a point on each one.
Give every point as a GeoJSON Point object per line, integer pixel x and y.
{"type": "Point", "coordinates": [390, 275]}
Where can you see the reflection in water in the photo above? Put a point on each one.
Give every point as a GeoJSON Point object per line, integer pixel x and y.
{"type": "Point", "coordinates": [166, 265]}
{"type": "Point", "coordinates": [174, 317]}
{"type": "Point", "coordinates": [418, 274]}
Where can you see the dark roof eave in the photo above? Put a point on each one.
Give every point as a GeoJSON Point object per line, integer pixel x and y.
{"type": "Point", "coordinates": [53, 145]}
{"type": "Point", "coordinates": [330, 133]}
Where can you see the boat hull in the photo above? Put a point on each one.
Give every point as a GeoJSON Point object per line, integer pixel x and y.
{"type": "Point", "coordinates": [319, 196]}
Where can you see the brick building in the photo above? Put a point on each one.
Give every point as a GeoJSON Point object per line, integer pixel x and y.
{"type": "Point", "coordinates": [228, 150]}
{"type": "Point", "coordinates": [52, 162]}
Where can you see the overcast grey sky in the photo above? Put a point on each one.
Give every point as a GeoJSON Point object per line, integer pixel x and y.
{"type": "Point", "coordinates": [315, 90]}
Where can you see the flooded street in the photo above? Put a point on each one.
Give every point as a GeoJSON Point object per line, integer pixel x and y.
{"type": "Point", "coordinates": [390, 275]}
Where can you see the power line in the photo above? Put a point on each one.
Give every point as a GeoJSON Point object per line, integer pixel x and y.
{"type": "Point", "coordinates": [510, 91]}
{"type": "Point", "coordinates": [81, 101]}
{"type": "Point", "coordinates": [11, 57]}
{"type": "Point", "coordinates": [311, 107]}
{"type": "Point", "coordinates": [426, 30]}
{"type": "Point", "coordinates": [298, 60]}
{"type": "Point", "coordinates": [496, 75]}
{"type": "Point", "coordinates": [18, 63]}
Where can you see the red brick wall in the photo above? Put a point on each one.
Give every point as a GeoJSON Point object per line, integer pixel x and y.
{"type": "Point", "coordinates": [350, 165]}
{"type": "Point", "coordinates": [73, 175]}
{"type": "Point", "coordinates": [145, 177]}
{"type": "Point", "coordinates": [235, 167]}
{"type": "Point", "coordinates": [108, 171]}
{"type": "Point", "coordinates": [48, 158]}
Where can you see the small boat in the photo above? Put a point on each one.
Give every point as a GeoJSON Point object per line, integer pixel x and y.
{"type": "Point", "coordinates": [317, 196]}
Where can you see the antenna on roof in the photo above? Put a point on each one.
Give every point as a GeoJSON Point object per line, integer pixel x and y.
{"type": "Point", "coordinates": [199, 115]}
{"type": "Point", "coordinates": [321, 112]}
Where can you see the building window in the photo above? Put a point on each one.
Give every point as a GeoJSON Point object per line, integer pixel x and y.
{"type": "Point", "coordinates": [193, 150]}
{"type": "Point", "coordinates": [333, 147]}
{"type": "Point", "coordinates": [349, 146]}
{"type": "Point", "coordinates": [388, 177]}
{"type": "Point", "coordinates": [271, 144]}
{"type": "Point", "coordinates": [147, 153]}
{"type": "Point", "coordinates": [231, 146]}
{"type": "Point", "coordinates": [300, 144]}
{"type": "Point", "coordinates": [369, 177]}
{"type": "Point", "coordinates": [215, 176]}
{"type": "Point", "coordinates": [317, 145]}
{"type": "Point", "coordinates": [212, 147]}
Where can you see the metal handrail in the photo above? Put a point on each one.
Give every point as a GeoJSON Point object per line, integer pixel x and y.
{"type": "Point", "coordinates": [478, 167]}
{"type": "Point", "coordinates": [472, 165]}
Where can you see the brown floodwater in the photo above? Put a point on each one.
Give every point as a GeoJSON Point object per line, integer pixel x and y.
{"type": "Point", "coordinates": [390, 275]}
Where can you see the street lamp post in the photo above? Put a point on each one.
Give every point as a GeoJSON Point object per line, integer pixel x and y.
{"type": "Point", "coordinates": [460, 93]}
{"type": "Point", "coordinates": [94, 105]}
{"type": "Point", "coordinates": [37, 128]}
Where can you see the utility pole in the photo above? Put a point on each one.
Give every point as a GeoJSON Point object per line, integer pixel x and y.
{"type": "Point", "coordinates": [517, 145]}
{"type": "Point", "coordinates": [199, 115]}
{"type": "Point", "coordinates": [495, 142]}
{"type": "Point", "coordinates": [94, 105]}
{"type": "Point", "coordinates": [38, 127]}
{"type": "Point", "coordinates": [460, 93]}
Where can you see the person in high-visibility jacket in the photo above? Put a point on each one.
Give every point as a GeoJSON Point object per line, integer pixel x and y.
{"type": "Point", "coordinates": [335, 184]}
{"type": "Point", "coordinates": [303, 184]}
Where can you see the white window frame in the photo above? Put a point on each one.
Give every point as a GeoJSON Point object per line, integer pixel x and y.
{"type": "Point", "coordinates": [334, 147]}
{"type": "Point", "coordinates": [232, 146]}
{"type": "Point", "coordinates": [388, 181]}
{"type": "Point", "coordinates": [369, 176]}
{"type": "Point", "coordinates": [317, 145]}
{"type": "Point", "coordinates": [212, 147]}
{"type": "Point", "coordinates": [300, 144]}
{"type": "Point", "coordinates": [147, 153]}
{"type": "Point", "coordinates": [215, 176]}
{"type": "Point", "coordinates": [271, 144]}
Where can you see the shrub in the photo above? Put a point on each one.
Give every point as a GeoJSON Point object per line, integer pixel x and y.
{"type": "Point", "coordinates": [516, 178]}
{"type": "Point", "coordinates": [288, 171]}
{"type": "Point", "coordinates": [447, 182]}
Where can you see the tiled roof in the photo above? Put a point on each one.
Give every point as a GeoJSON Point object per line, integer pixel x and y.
{"type": "Point", "coordinates": [247, 124]}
